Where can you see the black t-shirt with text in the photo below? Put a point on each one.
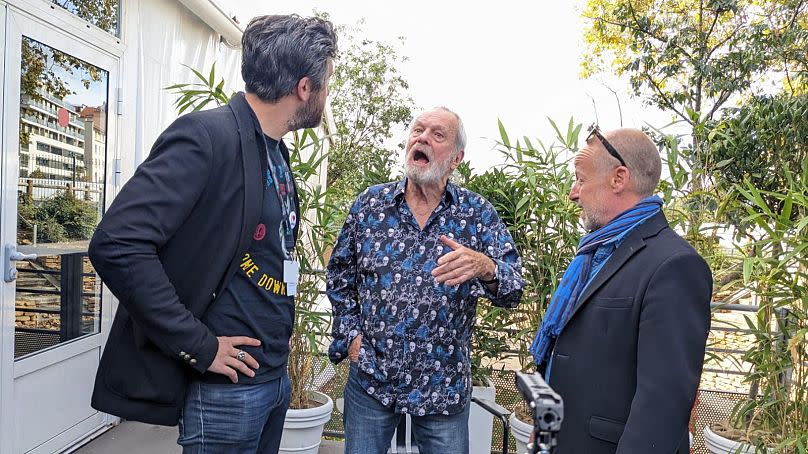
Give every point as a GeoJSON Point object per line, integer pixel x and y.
{"type": "Point", "coordinates": [255, 303]}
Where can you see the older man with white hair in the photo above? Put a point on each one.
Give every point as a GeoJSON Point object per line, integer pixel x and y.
{"type": "Point", "coordinates": [412, 365]}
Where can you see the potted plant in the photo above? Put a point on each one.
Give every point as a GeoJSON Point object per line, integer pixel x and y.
{"type": "Point", "coordinates": [521, 427]}
{"type": "Point", "coordinates": [529, 192]}
{"type": "Point", "coordinates": [309, 409]}
{"type": "Point", "coordinates": [488, 345]}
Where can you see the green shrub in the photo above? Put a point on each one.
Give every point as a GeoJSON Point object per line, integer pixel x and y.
{"type": "Point", "coordinates": [78, 217]}
{"type": "Point", "coordinates": [530, 193]}
{"type": "Point", "coordinates": [62, 217]}
{"type": "Point", "coordinates": [776, 412]}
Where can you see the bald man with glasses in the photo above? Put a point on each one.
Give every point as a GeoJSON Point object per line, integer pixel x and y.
{"type": "Point", "coordinates": [623, 338]}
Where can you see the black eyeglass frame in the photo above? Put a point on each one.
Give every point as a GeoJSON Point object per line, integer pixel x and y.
{"type": "Point", "coordinates": [594, 130]}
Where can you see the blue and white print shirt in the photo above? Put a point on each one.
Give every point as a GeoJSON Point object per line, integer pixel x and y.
{"type": "Point", "coordinates": [416, 333]}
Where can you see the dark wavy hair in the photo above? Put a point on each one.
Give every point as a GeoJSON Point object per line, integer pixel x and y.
{"type": "Point", "coordinates": [278, 51]}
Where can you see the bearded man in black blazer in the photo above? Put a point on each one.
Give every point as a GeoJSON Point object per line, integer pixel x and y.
{"type": "Point", "coordinates": [623, 337]}
{"type": "Point", "coordinates": [197, 247]}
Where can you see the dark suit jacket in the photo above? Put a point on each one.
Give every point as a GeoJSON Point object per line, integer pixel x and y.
{"type": "Point", "coordinates": [629, 360]}
{"type": "Point", "coordinates": [168, 244]}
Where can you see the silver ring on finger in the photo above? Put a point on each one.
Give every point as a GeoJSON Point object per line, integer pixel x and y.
{"type": "Point", "coordinates": [241, 355]}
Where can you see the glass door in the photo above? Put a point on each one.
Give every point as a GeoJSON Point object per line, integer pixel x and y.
{"type": "Point", "coordinates": [57, 136]}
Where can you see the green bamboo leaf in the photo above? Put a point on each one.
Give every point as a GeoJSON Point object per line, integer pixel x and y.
{"type": "Point", "coordinates": [576, 134]}
{"type": "Point", "coordinates": [559, 136]}
{"type": "Point", "coordinates": [796, 252]}
{"type": "Point", "coordinates": [202, 104]}
{"type": "Point", "coordinates": [785, 213]}
{"type": "Point", "coordinates": [197, 74]}
{"type": "Point", "coordinates": [529, 144]}
{"type": "Point", "coordinates": [724, 163]}
{"type": "Point", "coordinates": [747, 270]}
{"type": "Point", "coordinates": [522, 203]}
{"type": "Point", "coordinates": [183, 100]}
{"type": "Point", "coordinates": [801, 225]}
{"type": "Point", "coordinates": [503, 134]}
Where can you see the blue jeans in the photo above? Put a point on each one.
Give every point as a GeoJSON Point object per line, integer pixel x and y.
{"type": "Point", "coordinates": [234, 418]}
{"type": "Point", "coordinates": [369, 425]}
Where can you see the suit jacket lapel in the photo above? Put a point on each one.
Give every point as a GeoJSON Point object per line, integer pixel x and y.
{"type": "Point", "coordinates": [254, 164]}
{"type": "Point", "coordinates": [633, 243]}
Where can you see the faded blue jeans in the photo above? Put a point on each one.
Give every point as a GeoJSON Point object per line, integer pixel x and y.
{"type": "Point", "coordinates": [369, 425]}
{"type": "Point", "coordinates": [234, 418]}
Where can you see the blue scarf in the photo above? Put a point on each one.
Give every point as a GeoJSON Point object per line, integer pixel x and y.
{"type": "Point", "coordinates": [577, 275]}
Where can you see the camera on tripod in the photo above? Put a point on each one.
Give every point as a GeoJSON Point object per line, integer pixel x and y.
{"type": "Point", "coordinates": [548, 411]}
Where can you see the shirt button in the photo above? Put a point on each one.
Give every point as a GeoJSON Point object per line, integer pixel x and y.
{"type": "Point", "coordinates": [186, 357]}
{"type": "Point", "coordinates": [192, 362]}
{"type": "Point", "coordinates": [182, 354]}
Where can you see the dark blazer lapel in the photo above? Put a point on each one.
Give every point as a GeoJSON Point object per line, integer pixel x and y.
{"type": "Point", "coordinates": [253, 163]}
{"type": "Point", "coordinates": [633, 243]}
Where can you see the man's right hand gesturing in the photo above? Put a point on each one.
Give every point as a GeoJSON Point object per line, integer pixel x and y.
{"type": "Point", "coordinates": [230, 359]}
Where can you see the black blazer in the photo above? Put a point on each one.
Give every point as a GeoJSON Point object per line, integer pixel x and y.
{"type": "Point", "coordinates": [168, 244]}
{"type": "Point", "coordinates": [629, 360]}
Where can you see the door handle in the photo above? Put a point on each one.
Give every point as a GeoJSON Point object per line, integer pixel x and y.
{"type": "Point", "coordinates": [13, 255]}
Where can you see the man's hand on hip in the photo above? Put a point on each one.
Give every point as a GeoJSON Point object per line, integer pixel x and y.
{"type": "Point", "coordinates": [230, 359]}
{"type": "Point", "coordinates": [462, 264]}
{"type": "Point", "coordinates": [353, 349]}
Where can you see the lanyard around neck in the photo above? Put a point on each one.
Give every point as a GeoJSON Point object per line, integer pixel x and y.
{"type": "Point", "coordinates": [281, 176]}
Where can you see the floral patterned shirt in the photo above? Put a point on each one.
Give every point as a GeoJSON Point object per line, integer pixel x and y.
{"type": "Point", "coordinates": [416, 333]}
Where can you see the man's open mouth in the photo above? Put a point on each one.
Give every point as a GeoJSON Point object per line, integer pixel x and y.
{"type": "Point", "coordinates": [420, 157]}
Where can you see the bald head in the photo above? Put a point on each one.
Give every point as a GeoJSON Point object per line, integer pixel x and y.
{"type": "Point", "coordinates": [641, 156]}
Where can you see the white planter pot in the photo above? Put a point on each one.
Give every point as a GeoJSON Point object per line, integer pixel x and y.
{"type": "Point", "coordinates": [481, 423]}
{"type": "Point", "coordinates": [521, 433]}
{"type": "Point", "coordinates": [716, 444]}
{"type": "Point", "coordinates": [303, 429]}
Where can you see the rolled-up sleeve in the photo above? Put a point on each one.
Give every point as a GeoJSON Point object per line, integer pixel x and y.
{"type": "Point", "coordinates": [498, 244]}
{"type": "Point", "coordinates": [342, 290]}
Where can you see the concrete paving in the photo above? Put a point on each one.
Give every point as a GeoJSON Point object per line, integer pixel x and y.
{"type": "Point", "coordinates": [137, 438]}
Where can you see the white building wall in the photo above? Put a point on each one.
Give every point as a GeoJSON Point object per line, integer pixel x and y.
{"type": "Point", "coordinates": [96, 169]}
{"type": "Point", "coordinates": [160, 37]}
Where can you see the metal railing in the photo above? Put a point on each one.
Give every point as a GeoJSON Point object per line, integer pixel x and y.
{"type": "Point", "coordinates": [71, 311]}
{"type": "Point", "coordinates": [712, 405]}
{"type": "Point", "coordinates": [40, 189]}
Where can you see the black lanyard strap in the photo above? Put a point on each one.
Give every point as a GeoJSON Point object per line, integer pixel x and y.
{"type": "Point", "coordinates": [281, 176]}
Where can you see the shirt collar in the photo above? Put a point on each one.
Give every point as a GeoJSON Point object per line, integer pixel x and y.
{"type": "Point", "coordinates": [397, 194]}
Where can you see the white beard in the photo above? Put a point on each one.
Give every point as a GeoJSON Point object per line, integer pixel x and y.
{"type": "Point", "coordinates": [433, 174]}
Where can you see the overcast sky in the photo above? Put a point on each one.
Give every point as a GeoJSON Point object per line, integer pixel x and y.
{"type": "Point", "coordinates": [518, 61]}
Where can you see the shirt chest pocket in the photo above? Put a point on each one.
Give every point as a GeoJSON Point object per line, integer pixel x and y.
{"type": "Point", "coordinates": [613, 303]}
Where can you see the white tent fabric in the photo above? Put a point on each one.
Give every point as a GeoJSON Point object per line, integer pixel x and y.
{"type": "Point", "coordinates": [160, 37]}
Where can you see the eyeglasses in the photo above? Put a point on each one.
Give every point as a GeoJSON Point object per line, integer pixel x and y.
{"type": "Point", "coordinates": [594, 130]}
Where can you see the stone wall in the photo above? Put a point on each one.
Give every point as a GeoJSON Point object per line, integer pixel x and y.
{"type": "Point", "coordinates": [721, 338]}
{"type": "Point", "coordinates": [91, 285]}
